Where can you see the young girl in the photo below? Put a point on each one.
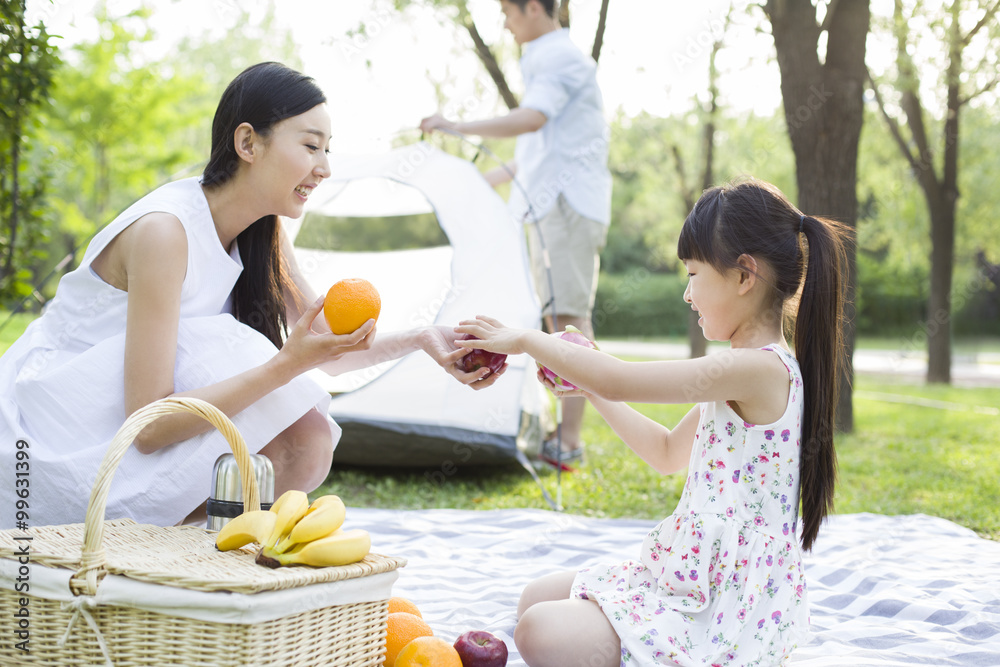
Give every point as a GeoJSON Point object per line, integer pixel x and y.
{"type": "Point", "coordinates": [188, 293]}
{"type": "Point", "coordinates": [720, 581]}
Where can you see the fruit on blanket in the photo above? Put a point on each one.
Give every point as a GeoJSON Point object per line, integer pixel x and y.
{"type": "Point", "coordinates": [401, 629]}
{"type": "Point", "coordinates": [350, 303]}
{"type": "Point", "coordinates": [573, 335]}
{"type": "Point", "coordinates": [477, 359]}
{"type": "Point", "coordinates": [428, 652]}
{"type": "Point", "coordinates": [479, 648]}
{"type": "Point", "coordinates": [325, 515]}
{"type": "Point", "coordinates": [342, 548]}
{"type": "Point", "coordinates": [291, 506]}
{"type": "Point", "coordinates": [403, 604]}
{"type": "Point", "coordinates": [246, 528]}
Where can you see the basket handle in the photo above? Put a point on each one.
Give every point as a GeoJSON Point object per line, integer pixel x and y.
{"type": "Point", "coordinates": [92, 562]}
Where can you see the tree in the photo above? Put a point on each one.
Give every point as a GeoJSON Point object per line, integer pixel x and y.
{"type": "Point", "coordinates": [823, 101]}
{"type": "Point", "coordinates": [486, 55]}
{"type": "Point", "coordinates": [27, 61]}
{"type": "Point", "coordinates": [696, 337]}
{"type": "Point", "coordinates": [117, 119]}
{"type": "Point", "coordinates": [939, 183]}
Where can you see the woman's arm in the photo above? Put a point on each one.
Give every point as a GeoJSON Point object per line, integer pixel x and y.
{"type": "Point", "coordinates": [437, 341]}
{"type": "Point", "coordinates": [153, 254]}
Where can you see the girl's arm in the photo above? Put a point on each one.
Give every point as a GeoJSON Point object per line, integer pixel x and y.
{"type": "Point", "coordinates": [665, 450]}
{"type": "Point", "coordinates": [152, 253]}
{"type": "Point", "coordinates": [735, 375]}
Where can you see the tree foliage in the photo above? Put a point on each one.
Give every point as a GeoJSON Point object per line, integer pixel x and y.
{"type": "Point", "coordinates": [957, 31]}
{"type": "Point", "coordinates": [116, 123]}
{"type": "Point", "coordinates": [27, 61]}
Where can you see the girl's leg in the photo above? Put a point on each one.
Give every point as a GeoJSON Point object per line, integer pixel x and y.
{"type": "Point", "coordinates": [550, 587]}
{"type": "Point", "coordinates": [555, 630]}
{"type": "Point", "coordinates": [301, 456]}
{"type": "Point", "coordinates": [557, 633]}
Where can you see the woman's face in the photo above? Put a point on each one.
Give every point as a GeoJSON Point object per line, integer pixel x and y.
{"type": "Point", "coordinates": [294, 160]}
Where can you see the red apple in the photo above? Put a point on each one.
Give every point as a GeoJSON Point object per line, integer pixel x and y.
{"type": "Point", "coordinates": [573, 335]}
{"type": "Point", "coordinates": [477, 359]}
{"type": "Point", "coordinates": [479, 648]}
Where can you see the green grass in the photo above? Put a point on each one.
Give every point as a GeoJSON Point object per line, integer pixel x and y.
{"type": "Point", "coordinates": [14, 328]}
{"type": "Point", "coordinates": [901, 459]}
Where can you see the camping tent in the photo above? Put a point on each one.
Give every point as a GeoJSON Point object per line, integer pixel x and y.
{"type": "Point", "coordinates": [408, 411]}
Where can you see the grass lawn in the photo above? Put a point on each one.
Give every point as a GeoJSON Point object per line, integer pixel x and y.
{"type": "Point", "coordinates": [14, 328]}
{"type": "Point", "coordinates": [901, 459]}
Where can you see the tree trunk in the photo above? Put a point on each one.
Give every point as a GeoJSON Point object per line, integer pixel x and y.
{"type": "Point", "coordinates": [490, 63]}
{"type": "Point", "coordinates": [939, 315]}
{"type": "Point", "coordinates": [602, 21]}
{"type": "Point", "coordinates": [824, 113]}
{"type": "Point", "coordinates": [938, 322]}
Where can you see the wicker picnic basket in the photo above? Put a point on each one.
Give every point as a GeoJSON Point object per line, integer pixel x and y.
{"type": "Point", "coordinates": [121, 593]}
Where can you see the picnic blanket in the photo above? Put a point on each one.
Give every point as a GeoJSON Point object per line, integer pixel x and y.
{"type": "Point", "coordinates": [883, 590]}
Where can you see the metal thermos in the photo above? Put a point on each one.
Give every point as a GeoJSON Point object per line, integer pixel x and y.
{"type": "Point", "coordinates": [226, 499]}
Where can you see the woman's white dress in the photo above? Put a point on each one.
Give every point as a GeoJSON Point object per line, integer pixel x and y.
{"type": "Point", "coordinates": [63, 383]}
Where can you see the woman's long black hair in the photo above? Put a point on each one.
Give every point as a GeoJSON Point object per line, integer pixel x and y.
{"type": "Point", "coordinates": [801, 252]}
{"type": "Point", "coordinates": [262, 95]}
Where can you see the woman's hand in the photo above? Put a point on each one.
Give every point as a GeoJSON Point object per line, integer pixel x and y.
{"type": "Point", "coordinates": [441, 344]}
{"type": "Point", "coordinates": [306, 349]}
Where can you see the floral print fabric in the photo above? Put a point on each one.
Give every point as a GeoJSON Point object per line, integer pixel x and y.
{"type": "Point", "coordinates": [720, 581]}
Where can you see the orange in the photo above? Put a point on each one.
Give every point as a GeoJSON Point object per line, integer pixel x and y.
{"type": "Point", "coordinates": [403, 627]}
{"type": "Point", "coordinates": [402, 604]}
{"type": "Point", "coordinates": [428, 652]}
{"type": "Point", "coordinates": [350, 303]}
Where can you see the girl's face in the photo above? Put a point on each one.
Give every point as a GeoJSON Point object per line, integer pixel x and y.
{"type": "Point", "coordinates": [294, 160]}
{"type": "Point", "coordinates": [713, 296]}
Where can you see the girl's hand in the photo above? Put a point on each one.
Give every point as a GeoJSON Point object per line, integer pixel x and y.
{"type": "Point", "coordinates": [493, 336]}
{"type": "Point", "coordinates": [558, 391]}
{"type": "Point", "coordinates": [441, 345]}
{"type": "Point", "coordinates": [308, 349]}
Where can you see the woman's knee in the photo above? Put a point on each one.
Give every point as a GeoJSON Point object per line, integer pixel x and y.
{"type": "Point", "coordinates": [303, 452]}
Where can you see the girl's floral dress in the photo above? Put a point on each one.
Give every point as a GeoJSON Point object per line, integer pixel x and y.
{"type": "Point", "coordinates": [720, 581]}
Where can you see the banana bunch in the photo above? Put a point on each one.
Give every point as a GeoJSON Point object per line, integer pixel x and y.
{"type": "Point", "coordinates": [293, 532]}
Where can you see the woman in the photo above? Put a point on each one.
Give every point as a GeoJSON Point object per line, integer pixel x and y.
{"type": "Point", "coordinates": [188, 293]}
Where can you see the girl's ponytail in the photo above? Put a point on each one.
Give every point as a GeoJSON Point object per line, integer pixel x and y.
{"type": "Point", "coordinates": [820, 352]}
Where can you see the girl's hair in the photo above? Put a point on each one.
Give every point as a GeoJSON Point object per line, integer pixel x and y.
{"type": "Point", "coordinates": [755, 218]}
{"type": "Point", "coordinates": [262, 95]}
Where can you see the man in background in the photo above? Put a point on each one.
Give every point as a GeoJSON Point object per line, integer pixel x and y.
{"type": "Point", "coordinates": [560, 161]}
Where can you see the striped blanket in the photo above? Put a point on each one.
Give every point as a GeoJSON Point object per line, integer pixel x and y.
{"type": "Point", "coordinates": [884, 591]}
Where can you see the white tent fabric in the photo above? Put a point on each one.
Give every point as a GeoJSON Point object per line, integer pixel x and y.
{"type": "Point", "coordinates": [484, 270]}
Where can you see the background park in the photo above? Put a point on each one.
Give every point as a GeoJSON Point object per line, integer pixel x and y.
{"type": "Point", "coordinates": [881, 114]}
